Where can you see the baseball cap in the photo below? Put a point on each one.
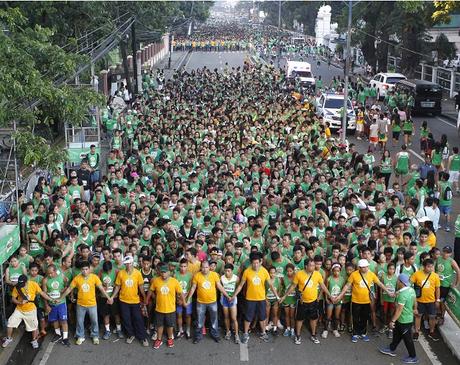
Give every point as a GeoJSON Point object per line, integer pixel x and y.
{"type": "Point", "coordinates": [164, 268]}
{"type": "Point", "coordinates": [404, 278]}
{"type": "Point", "coordinates": [22, 280]}
{"type": "Point", "coordinates": [128, 260]}
{"type": "Point", "coordinates": [363, 263]}
{"type": "Point", "coordinates": [424, 219]}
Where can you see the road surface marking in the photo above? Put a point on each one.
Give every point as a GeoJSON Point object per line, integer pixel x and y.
{"type": "Point", "coordinates": [416, 154]}
{"type": "Point", "coordinates": [244, 353]}
{"type": "Point", "coordinates": [429, 352]}
{"type": "Point", "coordinates": [446, 122]}
{"type": "Point", "coordinates": [47, 353]}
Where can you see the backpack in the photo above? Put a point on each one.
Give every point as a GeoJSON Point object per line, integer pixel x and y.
{"type": "Point", "coordinates": [447, 193]}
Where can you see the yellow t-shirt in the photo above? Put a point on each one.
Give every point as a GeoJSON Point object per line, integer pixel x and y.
{"type": "Point", "coordinates": [431, 240]}
{"type": "Point", "coordinates": [30, 290]}
{"type": "Point", "coordinates": [129, 286]}
{"type": "Point", "coordinates": [428, 291]}
{"type": "Point", "coordinates": [165, 292]}
{"type": "Point", "coordinates": [310, 293]}
{"type": "Point", "coordinates": [359, 292]}
{"type": "Point", "coordinates": [255, 283]}
{"type": "Point", "coordinates": [194, 268]}
{"type": "Point", "coordinates": [206, 287]}
{"type": "Point", "coordinates": [86, 294]}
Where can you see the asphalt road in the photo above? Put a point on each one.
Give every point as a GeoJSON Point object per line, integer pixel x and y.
{"type": "Point", "coordinates": [279, 350]}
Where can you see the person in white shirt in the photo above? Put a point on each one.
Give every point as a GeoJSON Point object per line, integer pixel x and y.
{"type": "Point", "coordinates": [430, 212]}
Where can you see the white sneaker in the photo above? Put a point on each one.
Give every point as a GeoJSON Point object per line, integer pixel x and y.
{"type": "Point", "coordinates": [324, 334]}
{"type": "Point", "coordinates": [34, 344]}
{"type": "Point", "coordinates": [292, 332]}
{"type": "Point", "coordinates": [7, 341]}
{"type": "Point", "coordinates": [336, 333]}
{"type": "Point", "coordinates": [280, 326]}
{"type": "Point", "coordinates": [269, 326]}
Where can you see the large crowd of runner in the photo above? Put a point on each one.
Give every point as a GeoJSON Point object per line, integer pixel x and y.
{"type": "Point", "coordinates": [226, 202]}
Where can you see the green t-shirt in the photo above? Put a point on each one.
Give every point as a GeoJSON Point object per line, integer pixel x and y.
{"type": "Point", "coordinates": [406, 297]}
{"type": "Point", "coordinates": [390, 284]}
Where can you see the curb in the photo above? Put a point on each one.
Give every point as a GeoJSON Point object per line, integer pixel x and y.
{"type": "Point", "coordinates": [450, 333]}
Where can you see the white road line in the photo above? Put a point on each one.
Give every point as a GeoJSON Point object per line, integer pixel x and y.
{"type": "Point", "coordinates": [429, 352]}
{"type": "Point", "coordinates": [244, 353]}
{"type": "Point", "coordinates": [47, 353]}
{"type": "Point", "coordinates": [446, 122]}
{"type": "Point", "coordinates": [416, 154]}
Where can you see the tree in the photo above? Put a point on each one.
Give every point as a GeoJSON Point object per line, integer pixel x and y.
{"type": "Point", "coordinates": [443, 10]}
{"type": "Point", "coordinates": [29, 94]}
{"type": "Point", "coordinates": [445, 50]}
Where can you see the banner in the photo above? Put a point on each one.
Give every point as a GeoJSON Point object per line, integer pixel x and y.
{"type": "Point", "coordinates": [10, 241]}
{"type": "Point", "coordinates": [453, 303]}
{"type": "Point", "coordinates": [77, 154]}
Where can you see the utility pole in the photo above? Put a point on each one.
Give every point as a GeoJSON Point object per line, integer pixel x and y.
{"type": "Point", "coordinates": [347, 74]}
{"type": "Point", "coordinates": [279, 14]}
{"type": "Point", "coordinates": [134, 47]}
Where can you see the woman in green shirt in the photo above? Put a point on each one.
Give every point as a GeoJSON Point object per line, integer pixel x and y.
{"type": "Point", "coordinates": [386, 166]}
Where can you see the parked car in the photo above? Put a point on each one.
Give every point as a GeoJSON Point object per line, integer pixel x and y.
{"type": "Point", "coordinates": [427, 95]}
{"type": "Point", "coordinates": [384, 82]}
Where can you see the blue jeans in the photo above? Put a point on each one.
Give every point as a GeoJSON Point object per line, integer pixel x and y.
{"type": "Point", "coordinates": [201, 314]}
{"type": "Point", "coordinates": [95, 176]}
{"type": "Point", "coordinates": [81, 314]}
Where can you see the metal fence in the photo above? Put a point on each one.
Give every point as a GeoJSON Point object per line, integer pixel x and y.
{"type": "Point", "coordinates": [447, 78]}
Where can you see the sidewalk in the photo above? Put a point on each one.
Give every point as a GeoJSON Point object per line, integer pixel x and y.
{"type": "Point", "coordinates": [450, 333]}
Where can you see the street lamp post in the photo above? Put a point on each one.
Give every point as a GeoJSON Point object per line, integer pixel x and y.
{"type": "Point", "coordinates": [347, 73]}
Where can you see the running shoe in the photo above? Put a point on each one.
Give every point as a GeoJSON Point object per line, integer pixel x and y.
{"type": "Point", "coordinates": [157, 344]}
{"type": "Point", "coordinates": [365, 338]}
{"type": "Point", "coordinates": [433, 337]}
{"type": "Point", "coordinates": [264, 337]}
{"type": "Point", "coordinates": [106, 335]}
{"type": "Point", "coordinates": [7, 341]}
{"type": "Point", "coordinates": [95, 340]}
{"type": "Point", "coordinates": [34, 344]}
{"type": "Point", "coordinates": [79, 341]}
{"type": "Point", "coordinates": [170, 342]}
{"type": "Point", "coordinates": [297, 340]}
{"type": "Point", "coordinates": [324, 334]}
{"type": "Point", "coordinates": [314, 339]}
{"type": "Point", "coordinates": [409, 360]}
{"type": "Point", "coordinates": [387, 351]}
{"type": "Point", "coordinates": [130, 339]}
{"type": "Point", "coordinates": [336, 333]}
{"type": "Point", "coordinates": [354, 338]}
{"type": "Point", "coordinates": [66, 342]}
{"type": "Point", "coordinates": [245, 338]}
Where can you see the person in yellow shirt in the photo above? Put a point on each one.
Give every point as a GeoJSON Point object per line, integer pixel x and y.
{"type": "Point", "coordinates": [307, 282]}
{"type": "Point", "coordinates": [255, 278]}
{"type": "Point", "coordinates": [23, 295]}
{"type": "Point", "coordinates": [428, 296]}
{"type": "Point", "coordinates": [129, 286]}
{"type": "Point", "coordinates": [361, 282]}
{"type": "Point", "coordinates": [206, 283]}
{"type": "Point", "coordinates": [86, 284]}
{"type": "Point", "coordinates": [165, 289]}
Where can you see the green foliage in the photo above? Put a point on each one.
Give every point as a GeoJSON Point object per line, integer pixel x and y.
{"type": "Point", "coordinates": [446, 50]}
{"type": "Point", "coordinates": [38, 152]}
{"type": "Point", "coordinates": [443, 10]}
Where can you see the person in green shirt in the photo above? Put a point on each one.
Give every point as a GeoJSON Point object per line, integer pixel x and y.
{"type": "Point", "coordinates": [449, 274]}
{"type": "Point", "coordinates": [54, 284]}
{"type": "Point", "coordinates": [402, 319]}
{"type": "Point", "coordinates": [445, 197]}
{"type": "Point", "coordinates": [389, 279]}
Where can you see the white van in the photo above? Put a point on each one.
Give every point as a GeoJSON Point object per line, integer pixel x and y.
{"type": "Point", "coordinates": [300, 70]}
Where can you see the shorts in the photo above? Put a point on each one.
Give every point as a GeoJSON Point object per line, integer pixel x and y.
{"type": "Point", "coordinates": [444, 292]}
{"type": "Point", "coordinates": [30, 320]}
{"type": "Point", "coordinates": [346, 306]}
{"type": "Point", "coordinates": [58, 313]}
{"type": "Point", "coordinates": [445, 209]}
{"type": "Point", "coordinates": [40, 314]}
{"type": "Point", "coordinates": [360, 127]}
{"type": "Point", "coordinates": [307, 311]}
{"type": "Point", "coordinates": [226, 304]}
{"type": "Point", "coordinates": [389, 307]}
{"type": "Point", "coordinates": [105, 309]}
{"type": "Point", "coordinates": [408, 133]}
{"type": "Point", "coordinates": [454, 176]}
{"type": "Point", "coordinates": [396, 135]}
{"type": "Point", "coordinates": [374, 139]}
{"type": "Point", "coordinates": [427, 308]}
{"type": "Point", "coordinates": [165, 319]}
{"type": "Point", "coordinates": [256, 307]}
{"type": "Point", "coordinates": [180, 309]}
{"type": "Point", "coordinates": [332, 305]}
